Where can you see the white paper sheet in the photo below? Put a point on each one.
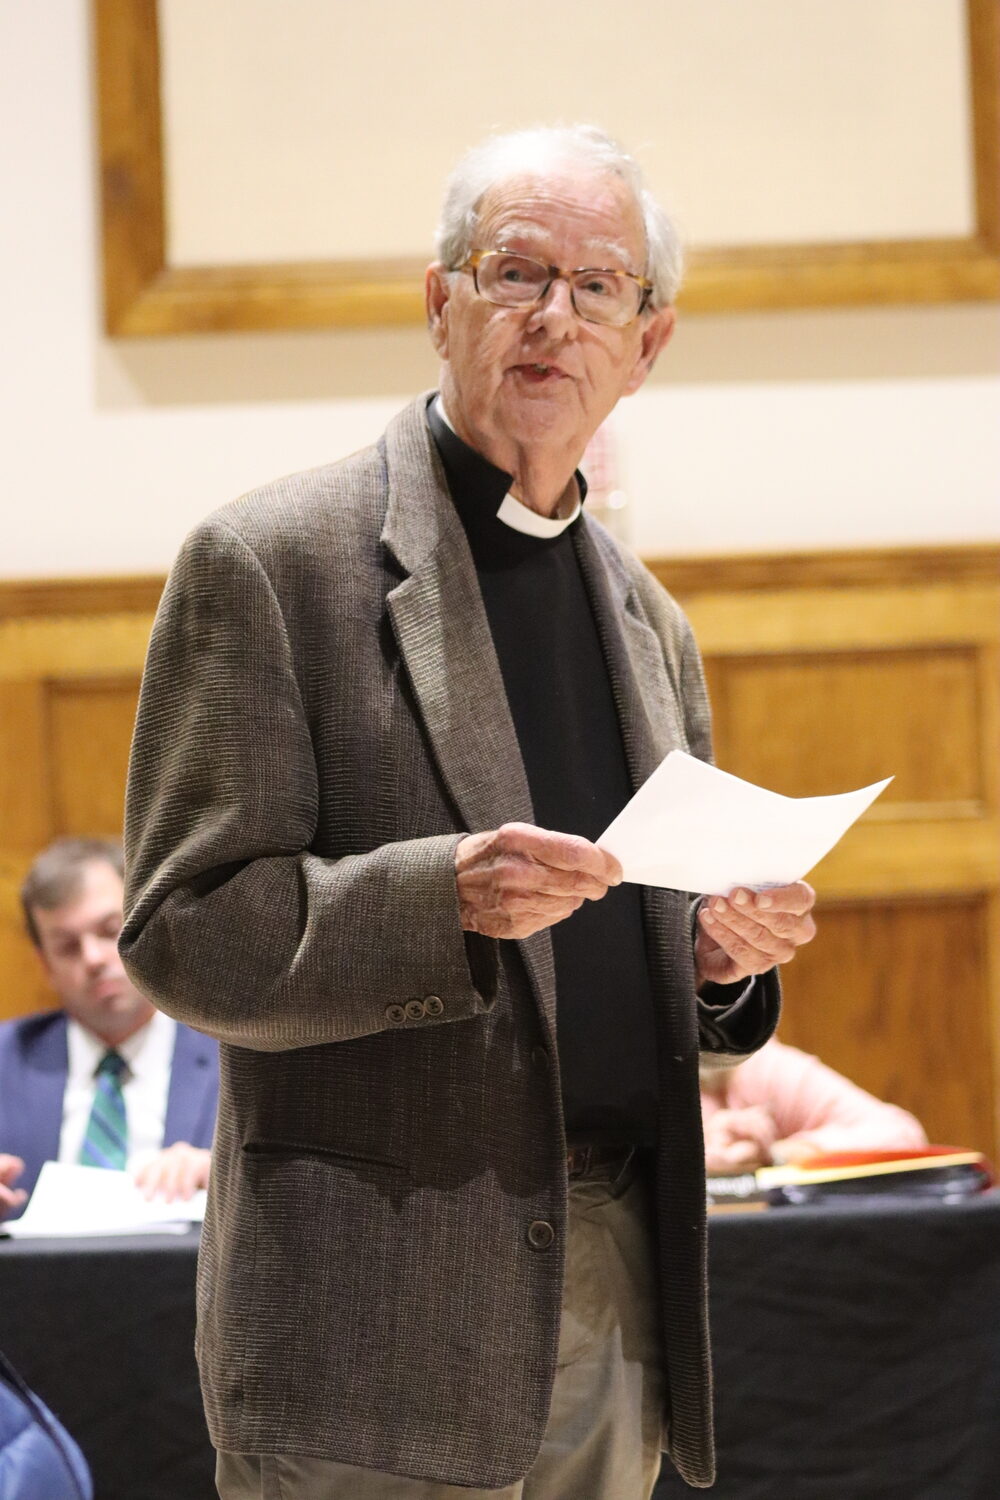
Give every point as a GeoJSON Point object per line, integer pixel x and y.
{"type": "Point", "coordinates": [73, 1201]}
{"type": "Point", "coordinates": [694, 828]}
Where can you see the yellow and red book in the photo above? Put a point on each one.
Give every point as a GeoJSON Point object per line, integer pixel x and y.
{"type": "Point", "coordinates": [942, 1172]}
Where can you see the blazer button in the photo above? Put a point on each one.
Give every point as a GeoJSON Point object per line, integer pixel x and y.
{"type": "Point", "coordinates": [434, 1005]}
{"type": "Point", "coordinates": [540, 1234]}
{"type": "Point", "coordinates": [396, 1014]}
{"type": "Point", "coordinates": [415, 1010]}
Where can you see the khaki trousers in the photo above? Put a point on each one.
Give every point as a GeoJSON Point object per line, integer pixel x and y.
{"type": "Point", "coordinates": [603, 1436]}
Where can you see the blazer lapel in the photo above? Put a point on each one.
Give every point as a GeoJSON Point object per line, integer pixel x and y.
{"type": "Point", "coordinates": [443, 635]}
{"type": "Point", "coordinates": [643, 692]}
{"type": "Point", "coordinates": [34, 1103]}
{"type": "Point", "coordinates": [648, 702]}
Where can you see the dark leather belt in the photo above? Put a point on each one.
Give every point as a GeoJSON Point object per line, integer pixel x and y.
{"type": "Point", "coordinates": [600, 1163]}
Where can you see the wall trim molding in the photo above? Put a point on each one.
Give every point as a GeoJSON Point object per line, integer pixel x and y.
{"type": "Point", "coordinates": [20, 597]}
{"type": "Point", "coordinates": [683, 576]}
{"type": "Point", "coordinates": [843, 568]}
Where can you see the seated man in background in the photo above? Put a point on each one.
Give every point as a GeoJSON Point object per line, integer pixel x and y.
{"type": "Point", "coordinates": [782, 1105]}
{"type": "Point", "coordinates": [106, 1080]}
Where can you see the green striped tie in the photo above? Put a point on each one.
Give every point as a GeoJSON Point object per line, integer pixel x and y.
{"type": "Point", "coordinates": [105, 1143]}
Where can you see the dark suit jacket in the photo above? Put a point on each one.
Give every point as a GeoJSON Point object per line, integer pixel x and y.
{"type": "Point", "coordinates": [33, 1068]}
{"type": "Point", "coordinates": [322, 718]}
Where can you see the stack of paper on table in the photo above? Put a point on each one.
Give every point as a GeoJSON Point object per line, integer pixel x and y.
{"type": "Point", "coordinates": [694, 828]}
{"type": "Point", "coordinates": [69, 1201]}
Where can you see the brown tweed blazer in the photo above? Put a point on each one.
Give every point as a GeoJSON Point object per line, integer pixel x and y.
{"type": "Point", "coordinates": [322, 718]}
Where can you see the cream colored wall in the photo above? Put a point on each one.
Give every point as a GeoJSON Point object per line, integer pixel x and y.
{"type": "Point", "coordinates": [279, 119]}
{"type": "Point", "coordinates": [758, 432]}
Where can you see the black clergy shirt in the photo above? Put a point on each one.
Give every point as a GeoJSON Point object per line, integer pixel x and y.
{"type": "Point", "coordinates": [564, 714]}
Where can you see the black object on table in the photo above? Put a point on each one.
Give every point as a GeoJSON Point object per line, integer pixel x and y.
{"type": "Point", "coordinates": [857, 1352]}
{"type": "Point", "coordinates": [103, 1330]}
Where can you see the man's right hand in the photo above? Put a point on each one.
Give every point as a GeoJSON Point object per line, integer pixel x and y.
{"type": "Point", "coordinates": [11, 1198]}
{"type": "Point", "coordinates": [517, 879]}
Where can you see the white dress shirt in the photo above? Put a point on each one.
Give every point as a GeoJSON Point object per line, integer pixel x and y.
{"type": "Point", "coordinates": [148, 1054]}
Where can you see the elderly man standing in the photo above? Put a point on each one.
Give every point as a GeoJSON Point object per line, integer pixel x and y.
{"type": "Point", "coordinates": [456, 1232]}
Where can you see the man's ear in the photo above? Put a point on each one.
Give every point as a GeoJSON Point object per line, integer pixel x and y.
{"type": "Point", "coordinates": [437, 292]}
{"type": "Point", "coordinates": [656, 327]}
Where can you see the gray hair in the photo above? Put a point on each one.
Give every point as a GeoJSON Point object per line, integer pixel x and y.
{"type": "Point", "coordinates": [519, 151]}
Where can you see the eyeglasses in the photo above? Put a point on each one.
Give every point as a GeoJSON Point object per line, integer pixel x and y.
{"type": "Point", "coordinates": [598, 296]}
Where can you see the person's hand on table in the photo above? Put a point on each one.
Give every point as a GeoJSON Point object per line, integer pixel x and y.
{"type": "Point", "coordinates": [794, 1152]}
{"type": "Point", "coordinates": [11, 1198]}
{"type": "Point", "coordinates": [176, 1173]}
{"type": "Point", "coordinates": [739, 1140]}
{"type": "Point", "coordinates": [748, 932]}
{"type": "Point", "coordinates": [515, 880]}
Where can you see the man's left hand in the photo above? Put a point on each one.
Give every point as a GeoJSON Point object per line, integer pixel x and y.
{"type": "Point", "coordinates": [748, 932]}
{"type": "Point", "coordinates": [175, 1173]}
{"type": "Point", "coordinates": [11, 1198]}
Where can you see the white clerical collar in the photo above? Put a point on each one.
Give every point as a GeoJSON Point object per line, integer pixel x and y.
{"type": "Point", "coordinates": [521, 517]}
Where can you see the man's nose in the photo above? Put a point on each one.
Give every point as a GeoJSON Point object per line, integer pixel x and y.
{"type": "Point", "coordinates": [97, 951]}
{"type": "Point", "coordinates": [555, 311]}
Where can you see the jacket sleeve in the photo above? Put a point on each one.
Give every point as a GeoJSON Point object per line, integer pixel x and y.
{"type": "Point", "coordinates": [232, 924]}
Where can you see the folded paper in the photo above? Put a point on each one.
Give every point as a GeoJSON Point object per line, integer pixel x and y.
{"type": "Point", "coordinates": [692, 827]}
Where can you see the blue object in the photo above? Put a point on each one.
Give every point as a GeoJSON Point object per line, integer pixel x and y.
{"type": "Point", "coordinates": [33, 1068]}
{"type": "Point", "coordinates": [38, 1458]}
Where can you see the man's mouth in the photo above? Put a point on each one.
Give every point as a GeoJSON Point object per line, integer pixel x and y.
{"type": "Point", "coordinates": [540, 373]}
{"type": "Point", "coordinates": [106, 989]}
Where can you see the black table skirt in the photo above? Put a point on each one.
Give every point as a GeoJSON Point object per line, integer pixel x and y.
{"type": "Point", "coordinates": [103, 1330]}
{"type": "Point", "coordinates": [857, 1354]}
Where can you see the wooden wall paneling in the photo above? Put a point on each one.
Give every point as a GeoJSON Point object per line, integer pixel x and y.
{"type": "Point", "coordinates": [24, 988]}
{"type": "Point", "coordinates": [892, 995]}
{"type": "Point", "coordinates": [91, 733]}
{"type": "Point", "coordinates": [34, 598]}
{"type": "Point", "coordinates": [912, 857]}
{"type": "Point", "coordinates": [836, 568]}
{"type": "Point", "coordinates": [25, 787]}
{"type": "Point", "coordinates": [992, 966]}
{"type": "Point", "coordinates": [782, 681]}
{"type": "Point", "coordinates": [65, 647]}
{"type": "Point", "coordinates": [808, 616]}
{"type": "Point", "coordinates": [989, 666]}
{"type": "Point", "coordinates": [989, 717]}
{"type": "Point", "coordinates": [912, 714]}
{"type": "Point", "coordinates": [828, 673]}
{"type": "Point", "coordinates": [25, 794]}
{"type": "Point", "coordinates": [71, 657]}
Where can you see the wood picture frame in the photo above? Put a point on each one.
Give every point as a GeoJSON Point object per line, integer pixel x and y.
{"type": "Point", "coordinates": [145, 295]}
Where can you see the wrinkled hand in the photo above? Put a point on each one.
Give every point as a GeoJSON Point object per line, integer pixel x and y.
{"type": "Point", "coordinates": [517, 879]}
{"type": "Point", "coordinates": [175, 1173]}
{"type": "Point", "coordinates": [11, 1198]}
{"type": "Point", "coordinates": [739, 1140]}
{"type": "Point", "coordinates": [748, 932]}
